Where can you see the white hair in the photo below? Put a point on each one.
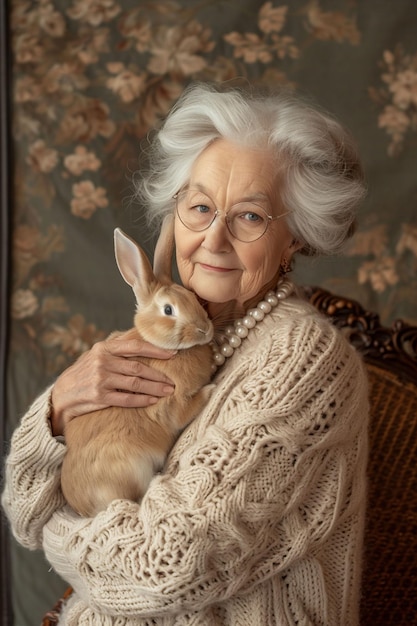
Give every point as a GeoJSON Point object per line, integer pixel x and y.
{"type": "Point", "coordinates": [318, 168]}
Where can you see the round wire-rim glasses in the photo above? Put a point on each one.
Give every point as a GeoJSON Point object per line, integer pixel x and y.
{"type": "Point", "coordinates": [246, 221]}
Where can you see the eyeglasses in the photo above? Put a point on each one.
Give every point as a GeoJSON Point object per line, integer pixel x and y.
{"type": "Point", "coordinates": [246, 221]}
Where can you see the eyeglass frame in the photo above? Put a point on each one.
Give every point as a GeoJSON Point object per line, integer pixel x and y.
{"type": "Point", "coordinates": [271, 218]}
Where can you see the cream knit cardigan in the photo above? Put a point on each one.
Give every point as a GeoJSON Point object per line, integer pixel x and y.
{"type": "Point", "coordinates": [258, 516]}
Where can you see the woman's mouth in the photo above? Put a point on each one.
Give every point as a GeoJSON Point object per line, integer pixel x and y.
{"type": "Point", "coordinates": [214, 268]}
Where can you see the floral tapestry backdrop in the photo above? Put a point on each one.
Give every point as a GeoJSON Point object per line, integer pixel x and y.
{"type": "Point", "coordinates": [91, 78]}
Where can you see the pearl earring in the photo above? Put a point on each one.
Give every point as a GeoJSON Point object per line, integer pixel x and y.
{"type": "Point", "coordinates": [285, 267]}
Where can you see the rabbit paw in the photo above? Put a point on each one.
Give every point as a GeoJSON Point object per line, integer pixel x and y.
{"type": "Point", "coordinates": [207, 391]}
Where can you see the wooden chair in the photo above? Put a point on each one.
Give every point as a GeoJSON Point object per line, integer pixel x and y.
{"type": "Point", "coordinates": [389, 593]}
{"type": "Point", "coordinates": [389, 596]}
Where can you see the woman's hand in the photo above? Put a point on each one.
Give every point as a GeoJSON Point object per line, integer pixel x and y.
{"type": "Point", "coordinates": [106, 376]}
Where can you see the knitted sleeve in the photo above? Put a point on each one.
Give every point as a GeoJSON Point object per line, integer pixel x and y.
{"type": "Point", "coordinates": [271, 469]}
{"type": "Point", "coordinates": [32, 475]}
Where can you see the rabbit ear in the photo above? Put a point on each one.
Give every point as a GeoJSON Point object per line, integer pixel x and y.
{"type": "Point", "coordinates": [133, 263]}
{"type": "Point", "coordinates": [163, 251]}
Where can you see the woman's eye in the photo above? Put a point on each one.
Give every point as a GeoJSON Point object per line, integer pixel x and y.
{"type": "Point", "coordinates": [201, 208]}
{"type": "Point", "coordinates": [251, 216]}
{"type": "Point", "coordinates": [168, 309]}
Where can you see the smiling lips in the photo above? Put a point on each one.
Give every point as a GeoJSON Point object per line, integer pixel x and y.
{"type": "Point", "coordinates": [213, 268]}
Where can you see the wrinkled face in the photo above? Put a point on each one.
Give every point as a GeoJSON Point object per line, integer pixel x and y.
{"type": "Point", "coordinates": [215, 265]}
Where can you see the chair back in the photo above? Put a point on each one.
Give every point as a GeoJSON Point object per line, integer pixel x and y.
{"type": "Point", "coordinates": [389, 588]}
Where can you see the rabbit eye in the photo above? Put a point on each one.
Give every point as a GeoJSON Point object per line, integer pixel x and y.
{"type": "Point", "coordinates": [168, 310]}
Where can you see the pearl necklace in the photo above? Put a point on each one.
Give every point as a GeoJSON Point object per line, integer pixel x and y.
{"type": "Point", "coordinates": [233, 335]}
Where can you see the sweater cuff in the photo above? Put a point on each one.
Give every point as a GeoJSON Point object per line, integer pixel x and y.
{"type": "Point", "coordinates": [60, 530]}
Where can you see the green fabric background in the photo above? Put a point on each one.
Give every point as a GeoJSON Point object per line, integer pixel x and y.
{"type": "Point", "coordinates": [90, 79]}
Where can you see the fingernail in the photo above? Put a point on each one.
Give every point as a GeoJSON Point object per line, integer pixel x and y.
{"type": "Point", "coordinates": [169, 389]}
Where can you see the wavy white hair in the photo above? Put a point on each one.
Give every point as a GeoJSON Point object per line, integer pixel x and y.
{"type": "Point", "coordinates": [318, 168]}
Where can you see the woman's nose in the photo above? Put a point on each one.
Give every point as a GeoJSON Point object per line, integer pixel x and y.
{"type": "Point", "coordinates": [217, 237]}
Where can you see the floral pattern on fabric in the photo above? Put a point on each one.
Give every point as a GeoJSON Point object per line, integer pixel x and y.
{"type": "Point", "coordinates": [92, 78]}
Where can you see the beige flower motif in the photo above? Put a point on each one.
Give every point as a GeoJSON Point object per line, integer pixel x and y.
{"type": "Point", "coordinates": [380, 273]}
{"type": "Point", "coordinates": [408, 240]}
{"type": "Point", "coordinates": [54, 304]}
{"type": "Point", "coordinates": [94, 12]}
{"type": "Point", "coordinates": [396, 123]}
{"type": "Point", "coordinates": [126, 84]}
{"type": "Point", "coordinates": [330, 25]}
{"type": "Point", "coordinates": [272, 19]}
{"type": "Point", "coordinates": [91, 44]}
{"type": "Point", "coordinates": [64, 78]}
{"type": "Point", "coordinates": [133, 27]}
{"type": "Point", "coordinates": [404, 89]}
{"type": "Point", "coordinates": [74, 338]}
{"type": "Point", "coordinates": [87, 198]}
{"type": "Point", "coordinates": [157, 102]}
{"type": "Point", "coordinates": [27, 126]}
{"type": "Point", "coordinates": [86, 120]}
{"type": "Point", "coordinates": [178, 50]}
{"type": "Point", "coordinates": [31, 21]}
{"type": "Point", "coordinates": [399, 97]}
{"type": "Point", "coordinates": [394, 120]}
{"type": "Point", "coordinates": [41, 158]}
{"type": "Point", "coordinates": [253, 48]}
{"type": "Point", "coordinates": [249, 46]}
{"type": "Point", "coordinates": [26, 240]}
{"type": "Point", "coordinates": [27, 48]}
{"type": "Point", "coordinates": [81, 160]}
{"type": "Point", "coordinates": [30, 244]}
{"type": "Point", "coordinates": [31, 247]}
{"type": "Point", "coordinates": [372, 241]}
{"type": "Point", "coordinates": [27, 89]}
{"type": "Point", "coordinates": [24, 304]}
{"type": "Point", "coordinates": [50, 20]}
{"type": "Point", "coordinates": [20, 16]}
{"type": "Point", "coordinates": [284, 46]}
{"type": "Point", "coordinates": [221, 69]}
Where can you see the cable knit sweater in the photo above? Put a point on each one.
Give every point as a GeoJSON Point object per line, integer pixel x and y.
{"type": "Point", "coordinates": [257, 518]}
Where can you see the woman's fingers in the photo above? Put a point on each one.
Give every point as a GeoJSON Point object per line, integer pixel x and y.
{"type": "Point", "coordinates": [109, 375]}
{"type": "Point", "coordinates": [109, 362]}
{"type": "Point", "coordinates": [137, 383]}
{"type": "Point", "coordinates": [124, 345]}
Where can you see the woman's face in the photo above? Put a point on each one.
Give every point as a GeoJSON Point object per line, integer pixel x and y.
{"type": "Point", "coordinates": [212, 263]}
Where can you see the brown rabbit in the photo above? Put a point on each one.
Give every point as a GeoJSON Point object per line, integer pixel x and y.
{"type": "Point", "coordinates": [114, 452]}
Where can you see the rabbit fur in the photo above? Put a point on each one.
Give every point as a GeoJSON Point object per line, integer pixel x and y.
{"type": "Point", "coordinates": [114, 452]}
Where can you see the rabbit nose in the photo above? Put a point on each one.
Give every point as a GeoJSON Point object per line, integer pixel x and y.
{"type": "Point", "coordinates": [207, 332]}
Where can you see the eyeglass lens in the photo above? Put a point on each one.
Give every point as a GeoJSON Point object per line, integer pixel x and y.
{"type": "Point", "coordinates": [246, 221]}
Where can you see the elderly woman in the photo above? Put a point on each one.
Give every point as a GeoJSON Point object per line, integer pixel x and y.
{"type": "Point", "coordinates": [258, 515]}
